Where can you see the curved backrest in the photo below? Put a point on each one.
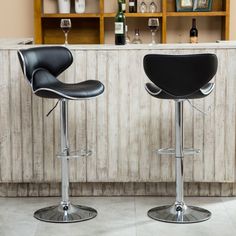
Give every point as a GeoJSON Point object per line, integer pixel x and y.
{"type": "Point", "coordinates": [180, 75]}
{"type": "Point", "coordinates": [55, 59]}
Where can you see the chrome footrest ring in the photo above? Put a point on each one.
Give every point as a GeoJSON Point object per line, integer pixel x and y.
{"type": "Point", "coordinates": [171, 151]}
{"type": "Point", "coordinates": [76, 154]}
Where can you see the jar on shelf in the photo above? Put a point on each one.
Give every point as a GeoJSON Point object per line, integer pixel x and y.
{"type": "Point", "coordinates": [64, 6]}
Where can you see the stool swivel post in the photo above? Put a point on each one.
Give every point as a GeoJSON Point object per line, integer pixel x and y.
{"type": "Point", "coordinates": [65, 211]}
{"type": "Point", "coordinates": [179, 212]}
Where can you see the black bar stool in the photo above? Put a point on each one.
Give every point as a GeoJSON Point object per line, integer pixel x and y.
{"type": "Point", "coordinates": [41, 66]}
{"type": "Point", "coordinates": [179, 77]}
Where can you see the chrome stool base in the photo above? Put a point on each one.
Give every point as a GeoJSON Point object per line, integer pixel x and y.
{"type": "Point", "coordinates": [179, 214]}
{"type": "Point", "coordinates": [65, 214]}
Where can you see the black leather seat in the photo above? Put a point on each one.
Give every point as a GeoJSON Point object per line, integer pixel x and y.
{"type": "Point", "coordinates": [42, 65]}
{"type": "Point", "coordinates": [179, 77]}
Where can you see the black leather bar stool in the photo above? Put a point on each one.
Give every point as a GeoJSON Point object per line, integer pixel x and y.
{"type": "Point", "coordinates": [41, 66]}
{"type": "Point", "coordinates": [179, 77]}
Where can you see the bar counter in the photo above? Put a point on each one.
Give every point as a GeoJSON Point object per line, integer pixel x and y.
{"type": "Point", "coordinates": [123, 127]}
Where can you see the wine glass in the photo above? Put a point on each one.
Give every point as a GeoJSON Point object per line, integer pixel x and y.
{"type": "Point", "coordinates": [143, 7]}
{"type": "Point", "coordinates": [152, 7]}
{"type": "Point", "coordinates": [153, 25]}
{"type": "Point", "coordinates": [66, 26]}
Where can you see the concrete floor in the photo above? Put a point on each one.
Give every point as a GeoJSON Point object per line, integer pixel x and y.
{"type": "Point", "coordinates": [117, 216]}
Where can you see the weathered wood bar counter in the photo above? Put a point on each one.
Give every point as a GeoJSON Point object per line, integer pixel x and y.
{"type": "Point", "coordinates": [123, 127]}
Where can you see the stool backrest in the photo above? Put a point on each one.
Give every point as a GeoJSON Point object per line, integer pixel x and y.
{"type": "Point", "coordinates": [180, 75]}
{"type": "Point", "coordinates": [55, 59]}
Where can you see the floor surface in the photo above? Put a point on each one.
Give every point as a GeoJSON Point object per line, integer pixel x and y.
{"type": "Point", "coordinates": [117, 216]}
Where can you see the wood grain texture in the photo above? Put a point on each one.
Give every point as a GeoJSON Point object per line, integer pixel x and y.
{"type": "Point", "coordinates": [122, 127]}
{"type": "Point", "coordinates": [117, 189]}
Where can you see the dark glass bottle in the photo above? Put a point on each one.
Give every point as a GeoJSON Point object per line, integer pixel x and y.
{"type": "Point", "coordinates": [194, 32]}
{"type": "Point", "coordinates": [120, 25]}
{"type": "Point", "coordinates": [132, 6]}
{"type": "Point", "coordinates": [124, 6]}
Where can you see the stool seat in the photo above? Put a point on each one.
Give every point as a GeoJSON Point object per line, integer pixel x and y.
{"type": "Point", "coordinates": [44, 84]}
{"type": "Point", "coordinates": [180, 76]}
{"type": "Point", "coordinates": [156, 92]}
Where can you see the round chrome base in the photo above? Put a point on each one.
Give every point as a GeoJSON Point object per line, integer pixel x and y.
{"type": "Point", "coordinates": [180, 214]}
{"type": "Point", "coordinates": [65, 214]}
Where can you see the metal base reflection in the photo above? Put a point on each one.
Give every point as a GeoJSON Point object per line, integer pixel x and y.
{"type": "Point", "coordinates": [180, 214]}
{"type": "Point", "coordinates": [65, 214]}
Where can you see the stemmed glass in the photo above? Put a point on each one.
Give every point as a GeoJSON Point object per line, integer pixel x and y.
{"type": "Point", "coordinates": [152, 7]}
{"type": "Point", "coordinates": [66, 26]}
{"type": "Point", "coordinates": [153, 25]}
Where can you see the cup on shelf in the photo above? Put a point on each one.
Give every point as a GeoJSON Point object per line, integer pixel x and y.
{"type": "Point", "coordinates": [64, 6]}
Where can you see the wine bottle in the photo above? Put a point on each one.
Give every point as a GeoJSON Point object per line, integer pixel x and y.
{"type": "Point", "coordinates": [132, 6]}
{"type": "Point", "coordinates": [79, 6]}
{"type": "Point", "coordinates": [124, 6]}
{"type": "Point", "coordinates": [194, 32]}
{"type": "Point", "coordinates": [120, 25]}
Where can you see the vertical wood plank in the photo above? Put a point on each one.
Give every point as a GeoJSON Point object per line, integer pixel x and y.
{"type": "Point", "coordinates": [80, 126]}
{"type": "Point", "coordinates": [166, 139]}
{"type": "Point", "coordinates": [134, 135]}
{"type": "Point", "coordinates": [230, 102]}
{"type": "Point", "coordinates": [124, 116]}
{"type": "Point", "coordinates": [27, 130]}
{"type": "Point", "coordinates": [33, 190]}
{"type": "Point", "coordinates": [22, 190]}
{"type": "Point", "coordinates": [57, 139]}
{"type": "Point", "coordinates": [5, 118]}
{"type": "Point", "coordinates": [220, 118]}
{"type": "Point", "coordinates": [112, 114]}
{"type": "Point", "coordinates": [208, 139]}
{"type": "Point", "coordinates": [38, 138]}
{"type": "Point", "coordinates": [144, 126]}
{"type": "Point", "coordinates": [91, 119]}
{"type": "Point", "coordinates": [15, 113]}
{"type": "Point", "coordinates": [102, 129]}
{"type": "Point", "coordinates": [198, 168]}
{"type": "Point", "coordinates": [188, 141]}
{"type": "Point", "coordinates": [48, 140]}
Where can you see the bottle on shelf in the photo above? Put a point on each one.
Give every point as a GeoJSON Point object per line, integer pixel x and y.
{"type": "Point", "coordinates": [137, 39]}
{"type": "Point", "coordinates": [79, 6]}
{"type": "Point", "coordinates": [132, 6]}
{"type": "Point", "coordinates": [124, 6]}
{"type": "Point", "coordinates": [194, 32]}
{"type": "Point", "coordinates": [64, 6]}
{"type": "Point", "coordinates": [120, 25]}
{"type": "Point", "coordinates": [127, 38]}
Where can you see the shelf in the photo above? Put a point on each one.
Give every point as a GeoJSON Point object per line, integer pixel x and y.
{"type": "Point", "coordinates": [93, 27]}
{"type": "Point", "coordinates": [145, 15]}
{"type": "Point", "coordinates": [72, 15]}
{"type": "Point", "coordinates": [212, 13]}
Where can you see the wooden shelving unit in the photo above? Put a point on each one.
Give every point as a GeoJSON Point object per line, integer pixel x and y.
{"type": "Point", "coordinates": [89, 28]}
